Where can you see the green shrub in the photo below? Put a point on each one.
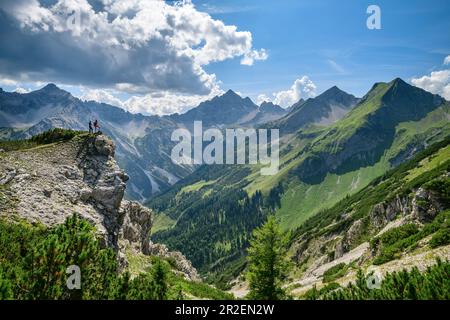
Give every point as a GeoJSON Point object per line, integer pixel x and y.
{"type": "Point", "coordinates": [335, 272]}
{"type": "Point", "coordinates": [440, 238]}
{"type": "Point", "coordinates": [314, 294]}
{"type": "Point", "coordinates": [35, 260]}
{"type": "Point", "coordinates": [394, 235]}
{"type": "Point", "coordinates": [442, 187]}
{"type": "Point", "coordinates": [47, 137]}
{"type": "Point", "coordinates": [393, 242]}
{"type": "Point", "coordinates": [55, 135]}
{"type": "Point", "coordinates": [432, 284]}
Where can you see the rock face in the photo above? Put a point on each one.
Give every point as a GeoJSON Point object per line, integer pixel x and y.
{"type": "Point", "coordinates": [420, 206]}
{"type": "Point", "coordinates": [181, 263]}
{"type": "Point", "coordinates": [426, 205]}
{"type": "Point", "coordinates": [47, 184]}
{"type": "Point", "coordinates": [137, 222]}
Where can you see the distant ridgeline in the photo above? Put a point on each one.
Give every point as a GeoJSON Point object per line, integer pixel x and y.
{"type": "Point", "coordinates": [331, 147]}
{"type": "Point", "coordinates": [217, 207]}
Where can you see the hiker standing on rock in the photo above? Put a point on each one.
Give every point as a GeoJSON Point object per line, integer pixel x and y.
{"type": "Point", "coordinates": [96, 126]}
{"type": "Point", "coordinates": [90, 127]}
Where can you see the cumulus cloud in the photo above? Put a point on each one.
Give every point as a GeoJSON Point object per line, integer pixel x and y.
{"type": "Point", "coordinates": [250, 57]}
{"type": "Point", "coordinates": [302, 88]}
{"type": "Point", "coordinates": [262, 98]}
{"type": "Point", "coordinates": [143, 47]}
{"type": "Point", "coordinates": [437, 82]}
{"type": "Point", "coordinates": [21, 90]}
{"type": "Point", "coordinates": [99, 95]}
{"type": "Point", "coordinates": [164, 103]}
{"type": "Point", "coordinates": [160, 103]}
{"type": "Point", "coordinates": [447, 60]}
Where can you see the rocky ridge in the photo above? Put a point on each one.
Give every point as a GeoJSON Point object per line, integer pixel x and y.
{"type": "Point", "coordinates": [347, 246]}
{"type": "Point", "coordinates": [47, 184]}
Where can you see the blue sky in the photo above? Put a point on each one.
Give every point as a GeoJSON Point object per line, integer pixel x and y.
{"type": "Point", "coordinates": [329, 42]}
{"type": "Point", "coordinates": [158, 57]}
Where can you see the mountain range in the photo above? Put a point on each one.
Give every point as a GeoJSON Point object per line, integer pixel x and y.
{"type": "Point", "coordinates": [143, 142]}
{"type": "Point", "coordinates": [323, 110]}
{"type": "Point", "coordinates": [321, 163]}
{"type": "Point", "coordinates": [333, 147]}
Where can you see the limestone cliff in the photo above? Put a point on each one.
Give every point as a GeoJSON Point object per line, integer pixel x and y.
{"type": "Point", "coordinates": [49, 183]}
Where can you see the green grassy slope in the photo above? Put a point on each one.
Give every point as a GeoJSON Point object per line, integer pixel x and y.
{"type": "Point", "coordinates": [319, 166]}
{"type": "Point", "coordinates": [303, 200]}
{"type": "Point", "coordinates": [428, 165]}
{"type": "Point", "coordinates": [410, 233]}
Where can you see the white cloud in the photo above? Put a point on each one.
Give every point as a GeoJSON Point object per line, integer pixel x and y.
{"type": "Point", "coordinates": [133, 46]}
{"type": "Point", "coordinates": [262, 98]}
{"type": "Point", "coordinates": [437, 82]}
{"type": "Point", "coordinates": [164, 103]}
{"type": "Point", "coordinates": [99, 95]}
{"type": "Point", "coordinates": [160, 103]}
{"type": "Point", "coordinates": [21, 90]}
{"type": "Point", "coordinates": [447, 60]}
{"type": "Point", "coordinates": [250, 57]}
{"type": "Point", "coordinates": [302, 88]}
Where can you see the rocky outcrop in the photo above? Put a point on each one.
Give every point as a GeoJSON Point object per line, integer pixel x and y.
{"type": "Point", "coordinates": [420, 206]}
{"type": "Point", "coordinates": [384, 212]}
{"type": "Point", "coordinates": [50, 183]}
{"type": "Point", "coordinates": [47, 184]}
{"type": "Point", "coordinates": [426, 205]}
{"type": "Point", "coordinates": [181, 263]}
{"type": "Point", "coordinates": [136, 226]}
{"type": "Point", "coordinates": [350, 237]}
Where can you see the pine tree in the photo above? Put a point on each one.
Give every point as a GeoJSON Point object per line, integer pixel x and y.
{"type": "Point", "coordinates": [268, 263]}
{"type": "Point", "coordinates": [160, 280]}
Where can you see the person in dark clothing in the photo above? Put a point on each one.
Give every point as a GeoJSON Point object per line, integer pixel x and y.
{"type": "Point", "coordinates": [90, 127]}
{"type": "Point", "coordinates": [96, 126]}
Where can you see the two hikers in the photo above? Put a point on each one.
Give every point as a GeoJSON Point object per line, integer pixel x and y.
{"type": "Point", "coordinates": [96, 126]}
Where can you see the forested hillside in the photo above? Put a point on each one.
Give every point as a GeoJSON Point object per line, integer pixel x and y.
{"type": "Point", "coordinates": [320, 165]}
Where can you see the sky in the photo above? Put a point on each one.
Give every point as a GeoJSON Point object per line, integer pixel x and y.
{"type": "Point", "coordinates": [158, 57]}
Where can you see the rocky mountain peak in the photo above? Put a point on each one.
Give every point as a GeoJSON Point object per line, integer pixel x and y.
{"type": "Point", "coordinates": [336, 94]}
{"type": "Point", "coordinates": [404, 96]}
{"type": "Point", "coordinates": [52, 90]}
{"type": "Point", "coordinates": [231, 93]}
{"type": "Point", "coordinates": [270, 107]}
{"type": "Point", "coordinates": [229, 108]}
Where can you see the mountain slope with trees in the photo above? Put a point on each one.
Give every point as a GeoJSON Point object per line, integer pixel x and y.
{"type": "Point", "coordinates": [319, 166]}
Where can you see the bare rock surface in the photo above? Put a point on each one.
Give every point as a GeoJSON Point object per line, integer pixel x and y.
{"type": "Point", "coordinates": [47, 184]}
{"type": "Point", "coordinates": [181, 262]}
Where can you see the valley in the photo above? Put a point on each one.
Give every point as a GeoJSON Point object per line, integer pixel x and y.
{"type": "Point", "coordinates": [333, 148]}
